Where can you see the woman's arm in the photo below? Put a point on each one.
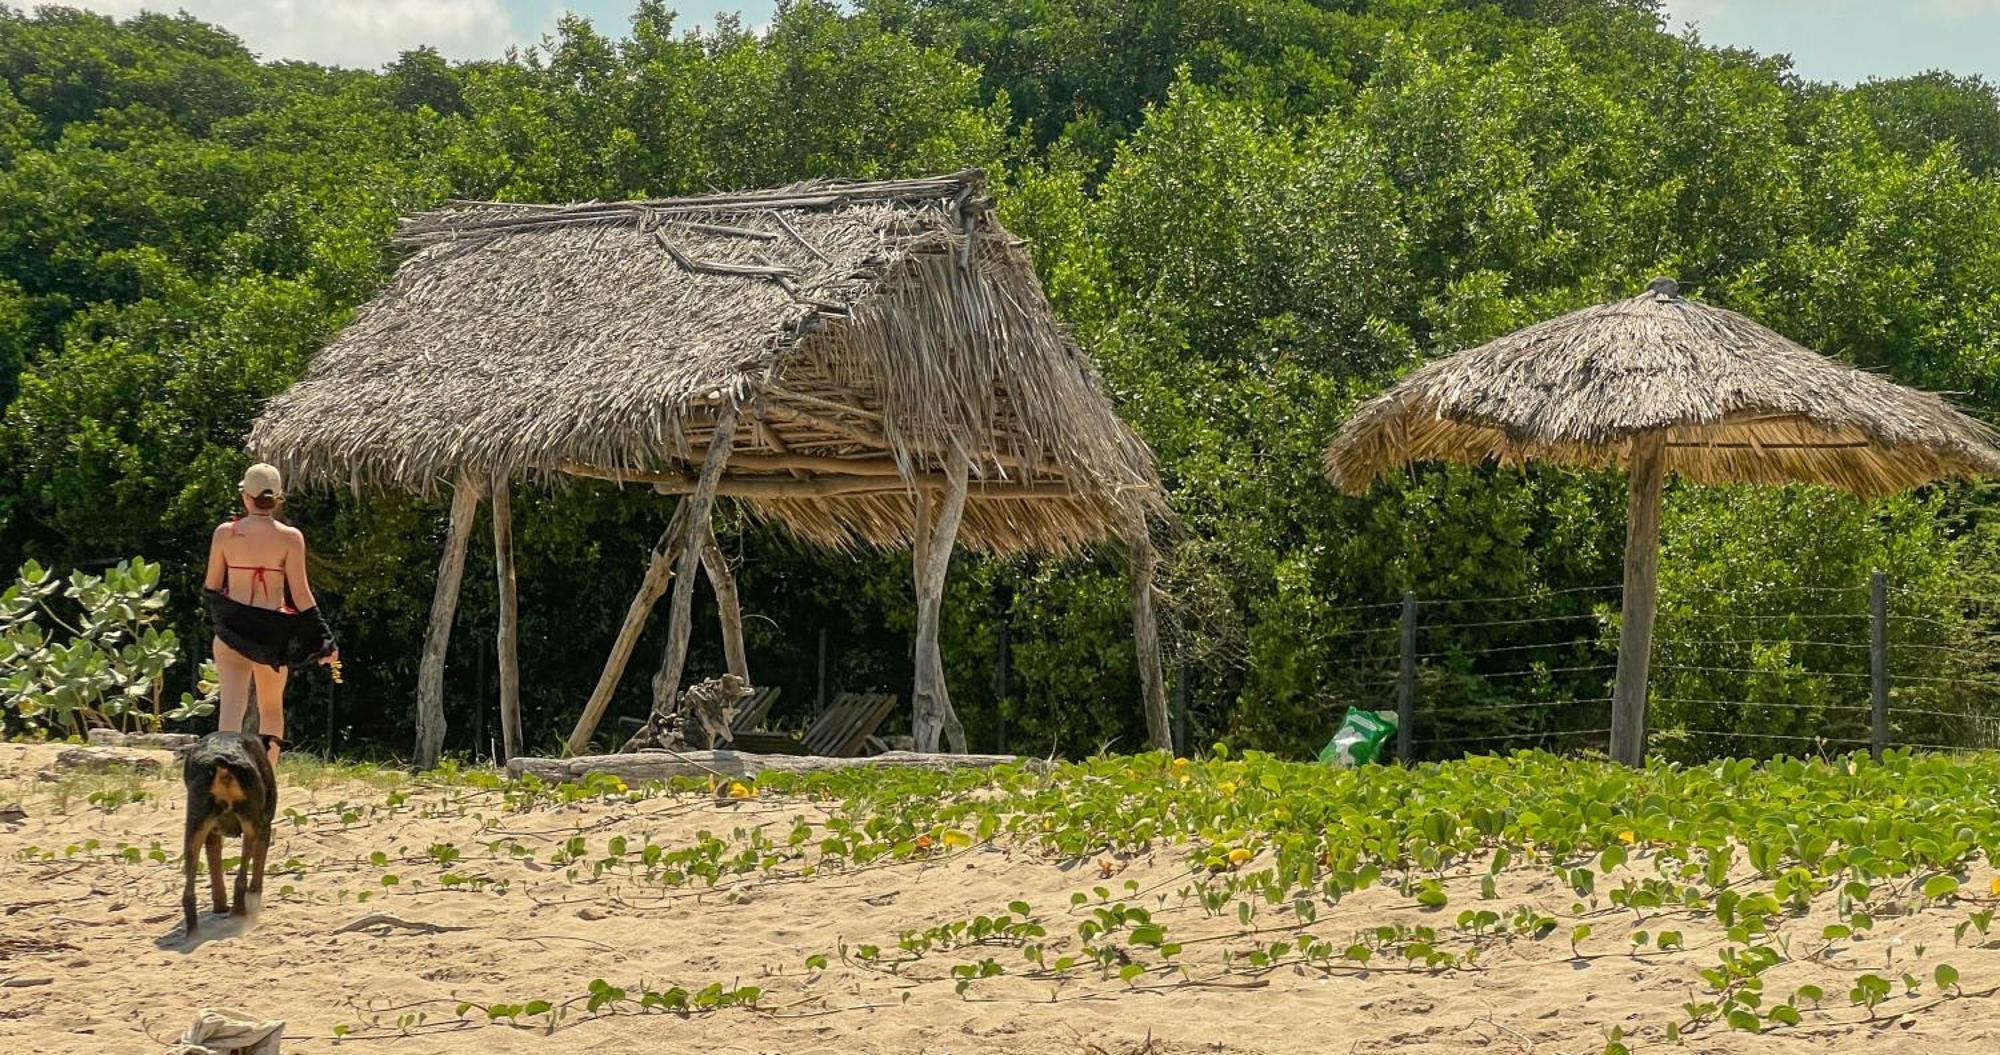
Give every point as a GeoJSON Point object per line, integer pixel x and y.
{"type": "Point", "coordinates": [295, 571]}
{"type": "Point", "coordinates": [217, 577]}
{"type": "Point", "coordinates": [302, 596]}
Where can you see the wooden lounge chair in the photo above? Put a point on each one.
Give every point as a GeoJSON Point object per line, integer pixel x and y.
{"type": "Point", "coordinates": [750, 713]}
{"type": "Point", "coordinates": [841, 732]}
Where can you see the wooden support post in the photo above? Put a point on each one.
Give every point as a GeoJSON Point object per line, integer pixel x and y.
{"type": "Point", "coordinates": [444, 607]}
{"type": "Point", "coordinates": [1181, 710]}
{"type": "Point", "coordinates": [1003, 668]}
{"type": "Point", "coordinates": [659, 572]}
{"type": "Point", "coordinates": [1406, 680]}
{"type": "Point", "coordinates": [1878, 664]}
{"type": "Point", "coordinates": [680, 612]}
{"type": "Point", "coordinates": [930, 559]}
{"type": "Point", "coordinates": [728, 605]}
{"type": "Point", "coordinates": [508, 647]}
{"type": "Point", "coordinates": [1146, 634]}
{"type": "Point", "coordinates": [819, 690]}
{"type": "Point", "coordinates": [1642, 581]}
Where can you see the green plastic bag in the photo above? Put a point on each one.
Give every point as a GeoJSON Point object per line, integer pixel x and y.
{"type": "Point", "coordinates": [1360, 739]}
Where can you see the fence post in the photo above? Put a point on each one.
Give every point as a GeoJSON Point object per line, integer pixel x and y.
{"type": "Point", "coordinates": [1406, 679]}
{"type": "Point", "coordinates": [1180, 711]}
{"type": "Point", "coordinates": [1878, 663]}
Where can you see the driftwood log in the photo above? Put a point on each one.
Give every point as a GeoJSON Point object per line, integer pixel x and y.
{"type": "Point", "coordinates": [661, 765]}
{"type": "Point", "coordinates": [155, 741]}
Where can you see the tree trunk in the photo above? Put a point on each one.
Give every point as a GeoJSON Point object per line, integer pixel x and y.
{"type": "Point", "coordinates": [1146, 634]}
{"type": "Point", "coordinates": [659, 571]}
{"type": "Point", "coordinates": [930, 559]}
{"type": "Point", "coordinates": [444, 607]}
{"type": "Point", "coordinates": [699, 505]}
{"type": "Point", "coordinates": [1642, 580]}
{"type": "Point", "coordinates": [509, 635]}
{"type": "Point", "coordinates": [729, 607]}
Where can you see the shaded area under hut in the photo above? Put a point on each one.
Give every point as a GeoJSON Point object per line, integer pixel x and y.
{"type": "Point", "coordinates": [868, 364]}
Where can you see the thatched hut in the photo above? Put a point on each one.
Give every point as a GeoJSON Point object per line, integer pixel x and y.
{"type": "Point", "coordinates": [868, 364]}
{"type": "Point", "coordinates": [1659, 383]}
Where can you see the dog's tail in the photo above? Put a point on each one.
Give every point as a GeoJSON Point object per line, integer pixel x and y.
{"type": "Point", "coordinates": [232, 783]}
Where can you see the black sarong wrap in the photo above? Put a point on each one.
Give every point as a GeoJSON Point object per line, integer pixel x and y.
{"type": "Point", "coordinates": [274, 638]}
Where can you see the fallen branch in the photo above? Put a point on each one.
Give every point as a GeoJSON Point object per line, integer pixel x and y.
{"type": "Point", "coordinates": [383, 919]}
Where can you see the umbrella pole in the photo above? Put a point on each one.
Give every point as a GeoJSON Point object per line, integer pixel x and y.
{"type": "Point", "coordinates": [1642, 580]}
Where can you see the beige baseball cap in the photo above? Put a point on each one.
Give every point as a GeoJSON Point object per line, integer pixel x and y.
{"type": "Point", "coordinates": [262, 479]}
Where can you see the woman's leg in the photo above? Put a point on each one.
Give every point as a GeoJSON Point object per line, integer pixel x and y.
{"type": "Point", "coordinates": [234, 670]}
{"type": "Point", "coordinates": [270, 704]}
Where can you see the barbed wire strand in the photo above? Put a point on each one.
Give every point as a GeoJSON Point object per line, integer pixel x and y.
{"type": "Point", "coordinates": [1782, 705]}
{"type": "Point", "coordinates": [1435, 742]}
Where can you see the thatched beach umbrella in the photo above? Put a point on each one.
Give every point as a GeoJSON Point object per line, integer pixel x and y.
{"type": "Point", "coordinates": [1660, 384]}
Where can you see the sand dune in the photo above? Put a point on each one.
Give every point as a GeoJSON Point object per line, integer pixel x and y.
{"type": "Point", "coordinates": [102, 924]}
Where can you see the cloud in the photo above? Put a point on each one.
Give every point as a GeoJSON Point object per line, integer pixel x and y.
{"type": "Point", "coordinates": [364, 33]}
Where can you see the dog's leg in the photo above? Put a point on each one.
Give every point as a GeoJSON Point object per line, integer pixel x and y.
{"type": "Point", "coordinates": [191, 845]}
{"type": "Point", "coordinates": [243, 872]}
{"type": "Point", "coordinates": [257, 866]}
{"type": "Point", "coordinates": [216, 890]}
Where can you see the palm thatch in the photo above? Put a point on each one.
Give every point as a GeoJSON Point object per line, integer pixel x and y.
{"type": "Point", "coordinates": [865, 332]}
{"type": "Point", "coordinates": [1738, 403]}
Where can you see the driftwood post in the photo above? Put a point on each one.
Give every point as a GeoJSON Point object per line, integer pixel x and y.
{"type": "Point", "coordinates": [1146, 634]}
{"type": "Point", "coordinates": [729, 607]}
{"type": "Point", "coordinates": [507, 646]}
{"type": "Point", "coordinates": [444, 607]}
{"type": "Point", "coordinates": [681, 610]}
{"type": "Point", "coordinates": [1642, 581]}
{"type": "Point", "coordinates": [930, 559]}
{"type": "Point", "coordinates": [659, 571]}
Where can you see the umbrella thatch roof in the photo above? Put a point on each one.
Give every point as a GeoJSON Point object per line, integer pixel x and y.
{"type": "Point", "coordinates": [1739, 403]}
{"type": "Point", "coordinates": [865, 331]}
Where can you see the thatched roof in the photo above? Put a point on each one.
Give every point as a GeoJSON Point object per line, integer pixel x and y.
{"type": "Point", "coordinates": [1739, 403]}
{"type": "Point", "coordinates": [864, 331]}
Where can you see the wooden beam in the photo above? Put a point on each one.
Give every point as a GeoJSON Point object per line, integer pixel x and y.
{"type": "Point", "coordinates": [1760, 445]}
{"type": "Point", "coordinates": [930, 560]}
{"type": "Point", "coordinates": [1642, 580]}
{"type": "Point", "coordinates": [667, 683]}
{"type": "Point", "coordinates": [1146, 634]}
{"type": "Point", "coordinates": [729, 607]}
{"type": "Point", "coordinates": [834, 487]}
{"type": "Point", "coordinates": [444, 608]}
{"type": "Point", "coordinates": [509, 633]}
{"type": "Point", "coordinates": [659, 571]}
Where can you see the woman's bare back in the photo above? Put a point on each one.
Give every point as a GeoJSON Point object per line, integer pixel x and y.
{"type": "Point", "coordinates": [253, 558]}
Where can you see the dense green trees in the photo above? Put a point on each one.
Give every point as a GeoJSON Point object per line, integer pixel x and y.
{"type": "Point", "coordinates": [1254, 215]}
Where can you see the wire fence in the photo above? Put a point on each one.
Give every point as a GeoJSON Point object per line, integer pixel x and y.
{"type": "Point", "coordinates": [1798, 670]}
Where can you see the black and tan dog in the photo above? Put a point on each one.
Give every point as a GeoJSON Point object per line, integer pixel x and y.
{"type": "Point", "coordinates": [232, 790]}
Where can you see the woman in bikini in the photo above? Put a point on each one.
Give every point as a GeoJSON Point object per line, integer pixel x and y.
{"type": "Point", "coordinates": [266, 620]}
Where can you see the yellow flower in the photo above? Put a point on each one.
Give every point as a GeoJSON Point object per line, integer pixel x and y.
{"type": "Point", "coordinates": [1239, 855]}
{"type": "Point", "coordinates": [1994, 887]}
{"type": "Point", "coordinates": [1180, 762]}
{"type": "Point", "coordinates": [619, 784]}
{"type": "Point", "coordinates": [1226, 787]}
{"type": "Point", "coordinates": [1627, 838]}
{"type": "Point", "coordinates": [737, 791]}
